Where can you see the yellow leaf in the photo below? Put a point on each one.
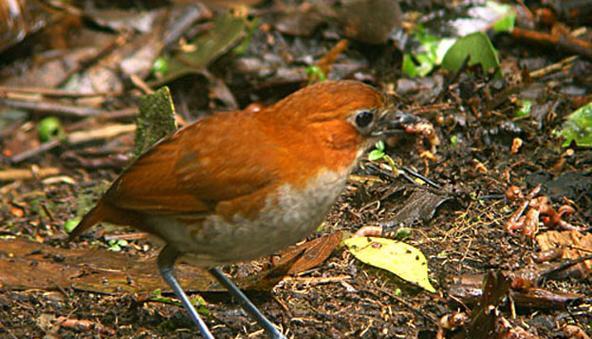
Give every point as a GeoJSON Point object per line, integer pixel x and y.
{"type": "Point", "coordinates": [405, 261]}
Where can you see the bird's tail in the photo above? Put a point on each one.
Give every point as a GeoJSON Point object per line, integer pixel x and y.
{"type": "Point", "coordinates": [91, 218]}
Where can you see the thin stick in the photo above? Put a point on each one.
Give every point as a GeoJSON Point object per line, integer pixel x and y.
{"type": "Point", "coordinates": [65, 110]}
{"type": "Point", "coordinates": [77, 138]}
{"type": "Point", "coordinates": [27, 174]}
{"type": "Point", "coordinates": [106, 50]}
{"type": "Point", "coordinates": [564, 265]}
{"type": "Point", "coordinates": [54, 92]}
{"type": "Point", "coordinates": [539, 73]}
{"type": "Point", "coordinates": [52, 107]}
{"type": "Point", "coordinates": [563, 42]}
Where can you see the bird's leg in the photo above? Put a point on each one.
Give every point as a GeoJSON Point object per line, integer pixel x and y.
{"type": "Point", "coordinates": [247, 304]}
{"type": "Point", "coordinates": [166, 263]}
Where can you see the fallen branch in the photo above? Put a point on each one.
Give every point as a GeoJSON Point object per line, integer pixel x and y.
{"type": "Point", "coordinates": [566, 43]}
{"type": "Point", "coordinates": [112, 46]}
{"type": "Point", "coordinates": [539, 73]}
{"type": "Point", "coordinates": [75, 138]}
{"type": "Point", "coordinates": [52, 107]}
{"type": "Point", "coordinates": [312, 281]}
{"type": "Point", "coordinates": [127, 236]}
{"type": "Point", "coordinates": [62, 109]}
{"type": "Point", "coordinates": [53, 92]}
{"type": "Point", "coordinates": [34, 172]}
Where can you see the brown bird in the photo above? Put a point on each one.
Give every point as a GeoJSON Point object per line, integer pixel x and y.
{"type": "Point", "coordinates": [236, 186]}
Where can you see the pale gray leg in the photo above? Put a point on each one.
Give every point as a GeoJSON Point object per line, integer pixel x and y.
{"type": "Point", "coordinates": [247, 304]}
{"type": "Point", "coordinates": [166, 263]}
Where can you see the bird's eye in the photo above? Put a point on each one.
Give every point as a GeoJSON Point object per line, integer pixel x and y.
{"type": "Point", "coordinates": [364, 119]}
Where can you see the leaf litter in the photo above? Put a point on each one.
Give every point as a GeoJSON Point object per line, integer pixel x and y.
{"type": "Point", "coordinates": [467, 145]}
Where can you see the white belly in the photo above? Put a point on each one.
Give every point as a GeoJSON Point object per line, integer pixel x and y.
{"type": "Point", "coordinates": [287, 218]}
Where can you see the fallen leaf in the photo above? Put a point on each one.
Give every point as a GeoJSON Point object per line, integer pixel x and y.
{"type": "Point", "coordinates": [405, 261]}
{"type": "Point", "coordinates": [578, 127]}
{"type": "Point", "coordinates": [294, 260]}
{"type": "Point", "coordinates": [421, 205]}
{"type": "Point", "coordinates": [315, 253]}
{"type": "Point", "coordinates": [227, 32]}
{"type": "Point", "coordinates": [477, 47]}
{"type": "Point", "coordinates": [575, 245]}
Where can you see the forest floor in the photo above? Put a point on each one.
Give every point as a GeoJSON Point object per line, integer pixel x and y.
{"type": "Point", "coordinates": [488, 164]}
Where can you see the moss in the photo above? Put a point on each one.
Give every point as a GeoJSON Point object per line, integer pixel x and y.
{"type": "Point", "coordinates": [156, 119]}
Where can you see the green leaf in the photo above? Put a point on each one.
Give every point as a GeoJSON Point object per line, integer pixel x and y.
{"type": "Point", "coordinates": [71, 224]}
{"type": "Point", "coordinates": [200, 304]}
{"type": "Point", "coordinates": [525, 106]}
{"type": "Point", "coordinates": [454, 140]}
{"type": "Point", "coordinates": [403, 233]}
{"type": "Point", "coordinates": [578, 127]}
{"type": "Point", "coordinates": [227, 33]}
{"type": "Point", "coordinates": [315, 74]}
{"type": "Point", "coordinates": [405, 261]}
{"type": "Point", "coordinates": [477, 47]}
{"type": "Point", "coordinates": [116, 245]}
{"type": "Point", "coordinates": [375, 155]}
{"type": "Point", "coordinates": [443, 47]}
{"type": "Point", "coordinates": [409, 67]}
{"type": "Point", "coordinates": [506, 24]}
{"type": "Point", "coordinates": [251, 27]}
{"type": "Point", "coordinates": [507, 16]}
{"type": "Point", "coordinates": [160, 66]}
{"type": "Point", "coordinates": [196, 300]}
{"type": "Point", "coordinates": [426, 64]}
{"type": "Point", "coordinates": [50, 128]}
{"type": "Point", "coordinates": [431, 53]}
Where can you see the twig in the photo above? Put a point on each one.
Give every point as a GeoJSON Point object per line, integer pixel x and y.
{"type": "Point", "coordinates": [127, 236]}
{"type": "Point", "coordinates": [123, 113]}
{"type": "Point", "coordinates": [541, 72]}
{"type": "Point", "coordinates": [101, 133]}
{"type": "Point", "coordinates": [419, 176]}
{"type": "Point", "coordinates": [564, 265]}
{"type": "Point", "coordinates": [329, 58]}
{"type": "Point", "coordinates": [53, 92]}
{"type": "Point", "coordinates": [526, 10]}
{"type": "Point", "coordinates": [76, 138]}
{"type": "Point", "coordinates": [141, 84]}
{"type": "Point", "coordinates": [34, 151]}
{"type": "Point", "coordinates": [66, 110]}
{"type": "Point", "coordinates": [27, 174]}
{"type": "Point", "coordinates": [566, 43]}
{"type": "Point", "coordinates": [184, 22]}
{"type": "Point", "coordinates": [116, 43]}
{"type": "Point", "coordinates": [317, 280]}
{"type": "Point", "coordinates": [52, 107]}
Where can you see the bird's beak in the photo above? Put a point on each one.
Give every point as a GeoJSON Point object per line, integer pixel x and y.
{"type": "Point", "coordinates": [393, 123]}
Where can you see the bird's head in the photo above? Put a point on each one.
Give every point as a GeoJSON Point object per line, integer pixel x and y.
{"type": "Point", "coordinates": [344, 115]}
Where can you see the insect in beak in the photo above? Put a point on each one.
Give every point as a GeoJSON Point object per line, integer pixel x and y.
{"type": "Point", "coordinates": [393, 122]}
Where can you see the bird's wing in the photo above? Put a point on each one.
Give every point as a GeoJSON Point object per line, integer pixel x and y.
{"type": "Point", "coordinates": [219, 159]}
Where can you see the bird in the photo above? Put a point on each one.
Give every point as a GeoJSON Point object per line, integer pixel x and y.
{"type": "Point", "coordinates": [239, 185]}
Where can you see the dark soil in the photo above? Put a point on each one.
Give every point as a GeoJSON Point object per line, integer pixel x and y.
{"type": "Point", "coordinates": [342, 298]}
